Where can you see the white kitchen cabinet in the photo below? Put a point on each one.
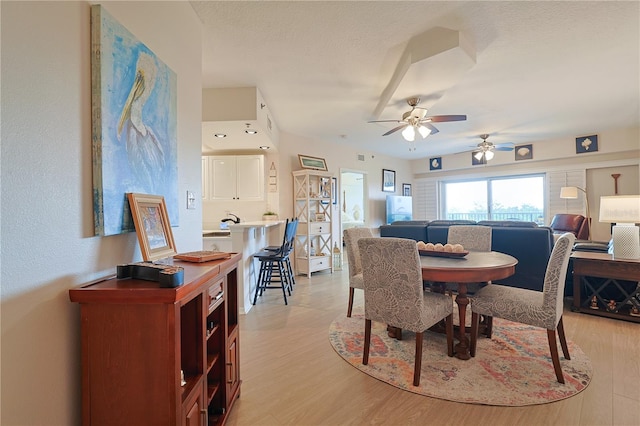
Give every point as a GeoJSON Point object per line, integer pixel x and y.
{"type": "Point", "coordinates": [312, 198]}
{"type": "Point", "coordinates": [236, 177]}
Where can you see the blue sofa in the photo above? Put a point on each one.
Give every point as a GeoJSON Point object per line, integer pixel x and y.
{"type": "Point", "coordinates": [526, 241]}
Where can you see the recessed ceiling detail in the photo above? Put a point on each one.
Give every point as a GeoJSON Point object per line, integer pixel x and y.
{"type": "Point", "coordinates": [242, 115]}
{"type": "Point", "coordinates": [431, 63]}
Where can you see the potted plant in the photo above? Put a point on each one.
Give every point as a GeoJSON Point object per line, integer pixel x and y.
{"type": "Point", "coordinates": [269, 215]}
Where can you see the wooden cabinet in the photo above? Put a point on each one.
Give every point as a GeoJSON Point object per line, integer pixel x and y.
{"type": "Point", "coordinates": [139, 341]}
{"type": "Point", "coordinates": [235, 177]}
{"type": "Point", "coordinates": [312, 206]}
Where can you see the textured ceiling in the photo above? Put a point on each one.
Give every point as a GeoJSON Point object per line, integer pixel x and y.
{"type": "Point", "coordinates": [542, 69]}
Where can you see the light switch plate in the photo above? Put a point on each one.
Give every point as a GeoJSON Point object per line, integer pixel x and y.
{"type": "Point", "coordinates": [191, 200]}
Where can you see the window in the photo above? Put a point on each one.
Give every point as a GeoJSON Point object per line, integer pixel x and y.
{"type": "Point", "coordinates": [505, 198]}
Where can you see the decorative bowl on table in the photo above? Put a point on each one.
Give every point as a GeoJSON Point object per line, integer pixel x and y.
{"type": "Point", "coordinates": [443, 253]}
{"type": "Point", "coordinates": [441, 250]}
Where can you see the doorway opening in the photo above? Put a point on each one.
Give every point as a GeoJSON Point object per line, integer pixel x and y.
{"type": "Point", "coordinates": [353, 199]}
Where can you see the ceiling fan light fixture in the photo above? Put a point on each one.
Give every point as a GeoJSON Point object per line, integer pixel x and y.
{"type": "Point", "coordinates": [478, 155]}
{"type": "Point", "coordinates": [424, 131]}
{"type": "Point", "coordinates": [409, 133]}
{"type": "Point", "coordinates": [488, 155]}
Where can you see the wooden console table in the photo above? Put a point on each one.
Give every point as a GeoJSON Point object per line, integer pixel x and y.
{"type": "Point", "coordinates": [161, 356]}
{"type": "Point", "coordinates": [603, 265]}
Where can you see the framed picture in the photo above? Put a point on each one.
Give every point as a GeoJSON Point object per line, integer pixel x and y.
{"type": "Point", "coordinates": [388, 180]}
{"type": "Point", "coordinates": [320, 217]}
{"type": "Point", "coordinates": [524, 152]}
{"type": "Point", "coordinates": [587, 144]}
{"type": "Point", "coordinates": [152, 226]}
{"type": "Point", "coordinates": [334, 190]}
{"type": "Point", "coordinates": [435, 163]}
{"type": "Point", "coordinates": [314, 163]}
{"type": "Point", "coordinates": [406, 189]}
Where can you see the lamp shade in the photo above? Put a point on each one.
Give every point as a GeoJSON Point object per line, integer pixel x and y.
{"type": "Point", "coordinates": [624, 211]}
{"type": "Point", "coordinates": [424, 131]}
{"type": "Point", "coordinates": [409, 133]}
{"type": "Point", "coordinates": [488, 155]}
{"type": "Point", "coordinates": [620, 209]}
{"type": "Point", "coordinates": [569, 192]}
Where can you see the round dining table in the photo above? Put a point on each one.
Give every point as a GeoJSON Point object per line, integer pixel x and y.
{"type": "Point", "coordinates": [475, 267]}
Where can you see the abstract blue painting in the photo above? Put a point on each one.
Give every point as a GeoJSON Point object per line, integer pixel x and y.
{"type": "Point", "coordinates": [134, 125]}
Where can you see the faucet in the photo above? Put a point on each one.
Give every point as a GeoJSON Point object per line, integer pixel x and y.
{"type": "Point", "coordinates": [231, 219]}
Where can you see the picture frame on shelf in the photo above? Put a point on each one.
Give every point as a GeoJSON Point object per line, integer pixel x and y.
{"type": "Point", "coordinates": [325, 186]}
{"type": "Point", "coordinates": [587, 144]}
{"type": "Point", "coordinates": [152, 225]}
{"type": "Point", "coordinates": [523, 152]}
{"type": "Point", "coordinates": [313, 163]}
{"type": "Point", "coordinates": [388, 180]}
{"type": "Point", "coordinates": [320, 217]}
{"type": "Point", "coordinates": [406, 189]}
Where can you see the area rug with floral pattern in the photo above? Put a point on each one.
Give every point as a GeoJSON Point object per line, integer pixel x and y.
{"type": "Point", "coordinates": [513, 368]}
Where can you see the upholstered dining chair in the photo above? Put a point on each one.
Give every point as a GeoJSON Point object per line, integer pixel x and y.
{"type": "Point", "coordinates": [351, 237]}
{"type": "Point", "coordinates": [540, 309]}
{"type": "Point", "coordinates": [472, 237]}
{"type": "Point", "coordinates": [393, 294]}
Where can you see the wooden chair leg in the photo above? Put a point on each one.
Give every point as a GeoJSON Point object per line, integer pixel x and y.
{"type": "Point", "coordinates": [475, 322]}
{"type": "Point", "coordinates": [417, 367]}
{"type": "Point", "coordinates": [489, 329]}
{"type": "Point", "coordinates": [563, 340]}
{"type": "Point", "coordinates": [553, 347]}
{"type": "Point", "coordinates": [351, 291]}
{"type": "Point", "coordinates": [367, 341]}
{"type": "Point", "coordinates": [449, 329]}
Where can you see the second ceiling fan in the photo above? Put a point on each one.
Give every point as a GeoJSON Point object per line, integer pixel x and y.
{"type": "Point", "coordinates": [484, 150]}
{"type": "Point", "coordinates": [416, 121]}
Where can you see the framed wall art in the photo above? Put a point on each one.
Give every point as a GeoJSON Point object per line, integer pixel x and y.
{"type": "Point", "coordinates": [435, 163]}
{"type": "Point", "coordinates": [314, 163]}
{"type": "Point", "coordinates": [388, 180]}
{"type": "Point", "coordinates": [523, 152]}
{"type": "Point", "coordinates": [587, 144]}
{"type": "Point", "coordinates": [406, 189]}
{"type": "Point", "coordinates": [134, 124]}
{"type": "Point", "coordinates": [152, 225]}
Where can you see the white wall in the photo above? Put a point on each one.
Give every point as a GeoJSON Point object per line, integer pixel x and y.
{"type": "Point", "coordinates": [48, 245]}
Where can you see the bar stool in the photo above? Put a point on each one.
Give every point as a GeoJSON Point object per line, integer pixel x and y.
{"type": "Point", "coordinates": [275, 266]}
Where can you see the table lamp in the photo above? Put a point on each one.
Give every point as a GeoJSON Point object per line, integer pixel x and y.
{"type": "Point", "coordinates": [571, 192]}
{"type": "Point", "coordinates": [624, 211]}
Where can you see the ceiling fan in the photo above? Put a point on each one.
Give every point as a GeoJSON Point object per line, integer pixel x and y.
{"type": "Point", "coordinates": [416, 121]}
{"type": "Point", "coordinates": [484, 150]}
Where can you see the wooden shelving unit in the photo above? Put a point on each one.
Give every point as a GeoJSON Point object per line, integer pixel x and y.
{"type": "Point", "coordinates": [139, 341]}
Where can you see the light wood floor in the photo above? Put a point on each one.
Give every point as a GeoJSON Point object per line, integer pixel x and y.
{"type": "Point", "coordinates": [292, 376]}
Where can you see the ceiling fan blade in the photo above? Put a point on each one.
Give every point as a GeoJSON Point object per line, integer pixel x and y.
{"type": "Point", "coordinates": [395, 129]}
{"type": "Point", "coordinates": [430, 127]}
{"type": "Point", "coordinates": [385, 121]}
{"type": "Point", "coordinates": [445, 118]}
{"type": "Point", "coordinates": [504, 147]}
